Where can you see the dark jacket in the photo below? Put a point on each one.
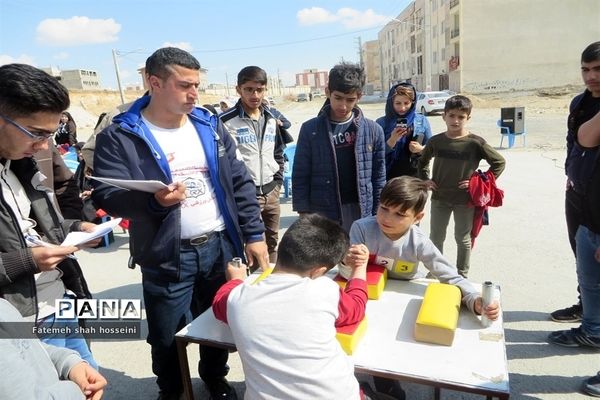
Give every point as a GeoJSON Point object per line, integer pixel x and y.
{"type": "Point", "coordinates": [398, 159]}
{"type": "Point", "coordinates": [582, 166]}
{"type": "Point", "coordinates": [315, 179]}
{"type": "Point", "coordinates": [128, 150]}
{"type": "Point", "coordinates": [17, 284]}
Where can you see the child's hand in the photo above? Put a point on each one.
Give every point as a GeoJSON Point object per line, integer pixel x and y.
{"type": "Point", "coordinates": [463, 184]}
{"type": "Point", "coordinates": [357, 256]}
{"type": "Point", "coordinates": [415, 147]}
{"type": "Point", "coordinates": [233, 272]}
{"type": "Point", "coordinates": [492, 311]}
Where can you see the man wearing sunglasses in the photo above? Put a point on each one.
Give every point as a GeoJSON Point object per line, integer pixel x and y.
{"type": "Point", "coordinates": [34, 269]}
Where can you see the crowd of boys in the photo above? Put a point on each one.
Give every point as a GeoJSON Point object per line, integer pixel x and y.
{"type": "Point", "coordinates": [360, 188]}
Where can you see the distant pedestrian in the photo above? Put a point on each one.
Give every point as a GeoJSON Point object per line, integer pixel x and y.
{"type": "Point", "coordinates": [67, 130]}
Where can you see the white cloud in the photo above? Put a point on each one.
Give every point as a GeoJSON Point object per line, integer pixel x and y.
{"type": "Point", "coordinates": [180, 45]}
{"type": "Point", "coordinates": [315, 15]}
{"type": "Point", "coordinates": [22, 59]}
{"type": "Point", "coordinates": [77, 31]}
{"type": "Point", "coordinates": [63, 55]}
{"type": "Point", "coordinates": [348, 17]}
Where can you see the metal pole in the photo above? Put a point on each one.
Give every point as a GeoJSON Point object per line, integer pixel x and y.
{"type": "Point", "coordinates": [114, 53]}
{"type": "Point", "coordinates": [227, 84]}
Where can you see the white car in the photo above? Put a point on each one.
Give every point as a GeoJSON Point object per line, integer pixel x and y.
{"type": "Point", "coordinates": [430, 102]}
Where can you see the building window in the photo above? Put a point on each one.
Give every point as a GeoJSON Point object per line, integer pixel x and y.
{"type": "Point", "coordinates": [420, 65]}
{"type": "Point", "coordinates": [443, 56]}
{"type": "Point", "coordinates": [434, 57]}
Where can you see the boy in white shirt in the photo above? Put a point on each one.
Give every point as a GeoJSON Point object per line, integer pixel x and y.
{"type": "Point", "coordinates": [284, 326]}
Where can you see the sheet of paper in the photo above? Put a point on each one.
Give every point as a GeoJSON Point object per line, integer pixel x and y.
{"type": "Point", "coordinates": [142, 186]}
{"type": "Point", "coordinates": [77, 238]}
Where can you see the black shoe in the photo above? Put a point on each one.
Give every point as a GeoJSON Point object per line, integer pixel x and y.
{"type": "Point", "coordinates": [220, 389]}
{"type": "Point", "coordinates": [591, 386]}
{"type": "Point", "coordinates": [569, 314]}
{"type": "Point", "coordinates": [574, 337]}
{"type": "Point", "coordinates": [162, 395]}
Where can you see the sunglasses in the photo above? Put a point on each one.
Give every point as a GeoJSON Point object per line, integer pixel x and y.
{"type": "Point", "coordinates": [37, 137]}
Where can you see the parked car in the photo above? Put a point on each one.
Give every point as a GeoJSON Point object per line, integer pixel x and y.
{"type": "Point", "coordinates": [430, 102]}
{"type": "Point", "coordinates": [316, 94]}
{"type": "Point", "coordinates": [271, 100]}
{"type": "Point", "coordinates": [302, 97]}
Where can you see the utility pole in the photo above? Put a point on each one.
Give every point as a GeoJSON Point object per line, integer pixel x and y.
{"type": "Point", "coordinates": [360, 53]}
{"type": "Point", "coordinates": [427, 48]}
{"type": "Point", "coordinates": [114, 54]}
{"type": "Point", "coordinates": [227, 84]}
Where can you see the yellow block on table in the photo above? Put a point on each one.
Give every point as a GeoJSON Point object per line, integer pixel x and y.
{"type": "Point", "coordinates": [438, 316]}
{"type": "Point", "coordinates": [350, 335]}
{"type": "Point", "coordinates": [376, 280]}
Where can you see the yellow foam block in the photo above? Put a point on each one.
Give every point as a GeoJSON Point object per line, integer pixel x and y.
{"type": "Point", "coordinates": [438, 316]}
{"type": "Point", "coordinates": [263, 275]}
{"type": "Point", "coordinates": [376, 280]}
{"type": "Point", "coordinates": [350, 335]}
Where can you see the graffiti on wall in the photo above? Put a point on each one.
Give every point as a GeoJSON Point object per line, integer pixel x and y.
{"type": "Point", "coordinates": [501, 85]}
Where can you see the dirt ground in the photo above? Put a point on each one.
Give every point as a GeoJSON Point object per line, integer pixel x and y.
{"type": "Point", "coordinates": [86, 106]}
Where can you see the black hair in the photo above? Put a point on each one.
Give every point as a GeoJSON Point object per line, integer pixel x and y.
{"type": "Point", "coordinates": [312, 241]}
{"type": "Point", "coordinates": [26, 90]}
{"type": "Point", "coordinates": [346, 78]}
{"type": "Point", "coordinates": [591, 53]}
{"type": "Point", "coordinates": [100, 118]}
{"type": "Point", "coordinates": [460, 103]}
{"type": "Point", "coordinates": [407, 192]}
{"type": "Point", "coordinates": [252, 73]}
{"type": "Point", "coordinates": [159, 63]}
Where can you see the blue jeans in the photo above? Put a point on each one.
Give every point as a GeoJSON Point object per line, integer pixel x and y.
{"type": "Point", "coordinates": [73, 341]}
{"type": "Point", "coordinates": [172, 305]}
{"type": "Point", "coordinates": [588, 276]}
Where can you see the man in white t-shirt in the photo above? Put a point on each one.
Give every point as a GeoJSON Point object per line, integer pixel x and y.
{"type": "Point", "coordinates": [182, 236]}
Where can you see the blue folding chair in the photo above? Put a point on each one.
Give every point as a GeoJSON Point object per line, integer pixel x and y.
{"type": "Point", "coordinates": [505, 131]}
{"type": "Point", "coordinates": [289, 153]}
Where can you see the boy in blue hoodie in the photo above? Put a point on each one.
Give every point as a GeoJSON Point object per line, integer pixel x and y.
{"type": "Point", "coordinates": [406, 132]}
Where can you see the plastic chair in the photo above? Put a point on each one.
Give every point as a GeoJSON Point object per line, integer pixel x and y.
{"type": "Point", "coordinates": [289, 153]}
{"type": "Point", "coordinates": [505, 131]}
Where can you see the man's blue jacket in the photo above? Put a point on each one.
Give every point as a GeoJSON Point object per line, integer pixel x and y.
{"type": "Point", "coordinates": [128, 150]}
{"type": "Point", "coordinates": [315, 176]}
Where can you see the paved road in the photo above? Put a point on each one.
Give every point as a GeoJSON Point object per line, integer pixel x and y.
{"type": "Point", "coordinates": [524, 249]}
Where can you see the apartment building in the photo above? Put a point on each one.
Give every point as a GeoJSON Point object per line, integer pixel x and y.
{"type": "Point", "coordinates": [484, 46]}
{"type": "Point", "coordinates": [372, 65]}
{"type": "Point", "coordinates": [78, 79]}
{"type": "Point", "coordinates": [315, 79]}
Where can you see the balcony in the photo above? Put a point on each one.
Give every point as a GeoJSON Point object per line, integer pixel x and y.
{"type": "Point", "coordinates": [453, 3]}
{"type": "Point", "coordinates": [454, 33]}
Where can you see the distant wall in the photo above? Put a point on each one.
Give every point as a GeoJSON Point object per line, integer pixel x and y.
{"type": "Point", "coordinates": [522, 45]}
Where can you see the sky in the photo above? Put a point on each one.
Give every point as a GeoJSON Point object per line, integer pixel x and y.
{"type": "Point", "coordinates": [283, 37]}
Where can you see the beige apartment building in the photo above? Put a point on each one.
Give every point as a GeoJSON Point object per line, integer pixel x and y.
{"type": "Point", "coordinates": [372, 65]}
{"type": "Point", "coordinates": [484, 46]}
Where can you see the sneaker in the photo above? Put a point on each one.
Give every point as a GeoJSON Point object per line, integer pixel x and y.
{"type": "Point", "coordinates": [574, 337]}
{"type": "Point", "coordinates": [591, 386]}
{"type": "Point", "coordinates": [220, 389]}
{"type": "Point", "coordinates": [569, 314]}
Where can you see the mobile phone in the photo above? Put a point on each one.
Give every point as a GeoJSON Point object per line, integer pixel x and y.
{"type": "Point", "coordinates": [402, 123]}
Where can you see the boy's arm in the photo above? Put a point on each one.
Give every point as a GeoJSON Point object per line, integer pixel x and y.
{"type": "Point", "coordinates": [588, 134]}
{"type": "Point", "coordinates": [353, 300]}
{"type": "Point", "coordinates": [445, 272]}
{"type": "Point", "coordinates": [378, 175]}
{"type": "Point", "coordinates": [496, 161]}
{"type": "Point", "coordinates": [219, 304]}
{"type": "Point", "coordinates": [301, 172]}
{"type": "Point", "coordinates": [423, 166]}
